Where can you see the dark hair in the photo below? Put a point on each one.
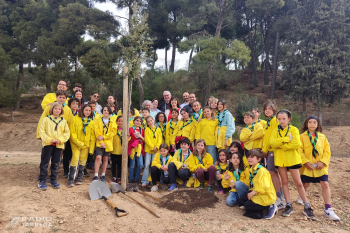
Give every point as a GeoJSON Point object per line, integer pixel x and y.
{"type": "Point", "coordinates": [61, 92]}
{"type": "Point", "coordinates": [109, 109]}
{"type": "Point", "coordinates": [115, 103]}
{"type": "Point", "coordinates": [272, 105]}
{"type": "Point", "coordinates": [115, 109]}
{"type": "Point", "coordinates": [223, 102]}
{"type": "Point", "coordinates": [81, 100]}
{"type": "Point", "coordinates": [285, 111]}
{"type": "Point", "coordinates": [226, 153]}
{"type": "Point", "coordinates": [77, 85]}
{"type": "Point", "coordinates": [119, 118]}
{"type": "Point", "coordinates": [185, 140]}
{"type": "Point", "coordinates": [252, 115]}
{"type": "Point", "coordinates": [92, 102]}
{"type": "Point", "coordinates": [171, 99]}
{"type": "Point", "coordinates": [192, 93]}
{"type": "Point", "coordinates": [157, 117]}
{"type": "Point", "coordinates": [185, 110]}
{"type": "Point", "coordinates": [164, 146]}
{"type": "Point", "coordinates": [95, 92]}
{"type": "Point", "coordinates": [241, 163]}
{"type": "Point", "coordinates": [71, 100]}
{"type": "Point", "coordinates": [137, 117]}
{"type": "Point", "coordinates": [146, 109]}
{"type": "Point", "coordinates": [256, 109]}
{"type": "Point", "coordinates": [81, 112]}
{"type": "Point", "coordinates": [256, 152]}
{"type": "Point", "coordinates": [305, 125]}
{"type": "Point", "coordinates": [175, 110]}
{"type": "Point", "coordinates": [238, 146]}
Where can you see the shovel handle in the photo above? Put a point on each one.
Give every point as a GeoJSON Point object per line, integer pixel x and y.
{"type": "Point", "coordinates": [110, 203]}
{"type": "Point", "coordinates": [149, 195]}
{"type": "Point", "coordinates": [114, 207]}
{"type": "Point", "coordinates": [144, 206]}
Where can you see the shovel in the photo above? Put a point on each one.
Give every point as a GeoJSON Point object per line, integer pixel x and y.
{"type": "Point", "coordinates": [135, 188]}
{"type": "Point", "coordinates": [98, 190]}
{"type": "Point", "coordinates": [116, 188]}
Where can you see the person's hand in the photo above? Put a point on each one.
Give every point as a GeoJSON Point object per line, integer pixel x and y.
{"type": "Point", "coordinates": [49, 104]}
{"type": "Point", "coordinates": [137, 135]}
{"type": "Point", "coordinates": [53, 141]}
{"type": "Point", "coordinates": [216, 163]}
{"type": "Point", "coordinates": [264, 154]}
{"type": "Point", "coordinates": [251, 194]}
{"type": "Point", "coordinates": [320, 165]}
{"type": "Point", "coordinates": [155, 149]}
{"type": "Point", "coordinates": [173, 146]}
{"type": "Point", "coordinates": [226, 176]}
{"type": "Point", "coordinates": [218, 176]}
{"type": "Point", "coordinates": [165, 167]}
{"type": "Point", "coordinates": [99, 138]}
{"type": "Point", "coordinates": [233, 185]}
{"type": "Point", "coordinates": [161, 167]}
{"type": "Point", "coordinates": [102, 145]}
{"type": "Point", "coordinates": [290, 137]}
{"type": "Point", "coordinates": [226, 143]}
{"type": "Point", "coordinates": [128, 135]}
{"type": "Point", "coordinates": [58, 141]}
{"type": "Point", "coordinates": [205, 169]}
{"type": "Point", "coordinates": [199, 120]}
{"type": "Point", "coordinates": [309, 166]}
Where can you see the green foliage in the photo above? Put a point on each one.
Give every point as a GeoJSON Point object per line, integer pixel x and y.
{"type": "Point", "coordinates": [238, 52]}
{"type": "Point", "coordinates": [9, 92]}
{"type": "Point", "coordinates": [246, 104]}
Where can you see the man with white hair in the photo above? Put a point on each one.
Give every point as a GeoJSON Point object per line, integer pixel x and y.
{"type": "Point", "coordinates": [165, 105]}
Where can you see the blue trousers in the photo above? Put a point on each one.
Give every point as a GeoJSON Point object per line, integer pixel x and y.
{"type": "Point", "coordinates": [132, 166]}
{"type": "Point", "coordinates": [213, 152]}
{"type": "Point", "coordinates": [232, 199]}
{"type": "Point", "coordinates": [148, 160]}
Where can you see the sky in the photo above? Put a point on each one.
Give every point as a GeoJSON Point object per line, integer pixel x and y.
{"type": "Point", "coordinates": [181, 60]}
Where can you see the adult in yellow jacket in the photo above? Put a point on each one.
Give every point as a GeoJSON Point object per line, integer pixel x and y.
{"type": "Point", "coordinates": [185, 128]}
{"type": "Point", "coordinates": [54, 132]}
{"type": "Point", "coordinates": [50, 98]}
{"type": "Point", "coordinates": [153, 140]}
{"type": "Point", "coordinates": [159, 167]}
{"type": "Point", "coordinates": [205, 129]}
{"type": "Point", "coordinates": [116, 155]}
{"type": "Point", "coordinates": [170, 128]}
{"type": "Point", "coordinates": [315, 154]}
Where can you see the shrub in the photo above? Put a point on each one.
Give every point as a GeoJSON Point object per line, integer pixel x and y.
{"type": "Point", "coordinates": [244, 105]}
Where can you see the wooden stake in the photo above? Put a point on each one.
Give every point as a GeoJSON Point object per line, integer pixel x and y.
{"type": "Point", "coordinates": [125, 128]}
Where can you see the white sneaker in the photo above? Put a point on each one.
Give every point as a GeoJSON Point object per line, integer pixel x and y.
{"type": "Point", "coordinates": [280, 204]}
{"type": "Point", "coordinates": [331, 215]}
{"type": "Point", "coordinates": [300, 201]}
{"type": "Point", "coordinates": [154, 188]}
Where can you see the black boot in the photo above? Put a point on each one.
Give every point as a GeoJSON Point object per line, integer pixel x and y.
{"type": "Point", "coordinates": [86, 174]}
{"type": "Point", "coordinates": [80, 175]}
{"type": "Point", "coordinates": [71, 176]}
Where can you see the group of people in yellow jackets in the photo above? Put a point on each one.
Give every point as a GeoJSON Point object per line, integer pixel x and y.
{"type": "Point", "coordinates": [194, 150]}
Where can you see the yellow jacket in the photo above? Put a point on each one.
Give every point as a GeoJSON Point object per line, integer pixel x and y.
{"type": "Point", "coordinates": [137, 113]}
{"type": "Point", "coordinates": [96, 116]}
{"type": "Point", "coordinates": [170, 128]}
{"type": "Point", "coordinates": [286, 153]}
{"type": "Point", "coordinates": [188, 131]}
{"type": "Point", "coordinates": [114, 118]}
{"type": "Point", "coordinates": [262, 184]}
{"type": "Point", "coordinates": [150, 141]}
{"type": "Point", "coordinates": [47, 131]}
{"type": "Point", "coordinates": [78, 137]}
{"type": "Point", "coordinates": [244, 177]}
{"type": "Point", "coordinates": [206, 130]}
{"type": "Point", "coordinates": [157, 161]}
{"type": "Point", "coordinates": [117, 143]}
{"type": "Point", "coordinates": [50, 98]}
{"type": "Point", "coordinates": [143, 125]}
{"type": "Point", "coordinates": [178, 160]}
{"type": "Point", "coordinates": [266, 142]}
{"type": "Point", "coordinates": [252, 139]}
{"type": "Point", "coordinates": [68, 116]}
{"type": "Point", "coordinates": [199, 117]}
{"type": "Point", "coordinates": [324, 154]}
{"type": "Point", "coordinates": [262, 123]}
{"type": "Point", "coordinates": [196, 164]}
{"type": "Point", "coordinates": [107, 134]}
{"type": "Point", "coordinates": [163, 130]}
{"type": "Point", "coordinates": [222, 167]}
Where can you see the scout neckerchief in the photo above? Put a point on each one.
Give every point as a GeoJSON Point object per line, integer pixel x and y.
{"type": "Point", "coordinates": [313, 143]}
{"type": "Point", "coordinates": [171, 122]}
{"type": "Point", "coordinates": [222, 118]}
{"type": "Point", "coordinates": [259, 120]}
{"type": "Point", "coordinates": [237, 176]}
{"type": "Point", "coordinates": [222, 170]}
{"type": "Point", "coordinates": [144, 125]}
{"type": "Point", "coordinates": [254, 174]}
{"type": "Point", "coordinates": [166, 161]}
{"type": "Point", "coordinates": [131, 118]}
{"type": "Point", "coordinates": [133, 127]}
{"type": "Point", "coordinates": [280, 128]}
{"type": "Point", "coordinates": [187, 123]}
{"type": "Point", "coordinates": [251, 128]}
{"type": "Point", "coordinates": [162, 129]}
{"type": "Point", "coordinates": [180, 155]}
{"type": "Point", "coordinates": [120, 135]}
{"type": "Point", "coordinates": [200, 160]}
{"type": "Point", "coordinates": [55, 121]}
{"type": "Point", "coordinates": [74, 114]}
{"type": "Point", "coordinates": [154, 132]}
{"type": "Point", "coordinates": [64, 104]}
{"type": "Point", "coordinates": [85, 125]}
{"type": "Point", "coordinates": [106, 126]}
{"type": "Point", "coordinates": [113, 113]}
{"type": "Point", "coordinates": [268, 122]}
{"type": "Point", "coordinates": [199, 114]}
{"type": "Point", "coordinates": [93, 116]}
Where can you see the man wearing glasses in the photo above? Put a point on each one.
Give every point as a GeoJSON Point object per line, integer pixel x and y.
{"type": "Point", "coordinates": [50, 98]}
{"type": "Point", "coordinates": [165, 105]}
{"type": "Point", "coordinates": [94, 97]}
{"type": "Point", "coordinates": [186, 100]}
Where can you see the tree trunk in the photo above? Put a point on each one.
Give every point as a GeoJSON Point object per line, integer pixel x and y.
{"type": "Point", "coordinates": [154, 58]}
{"type": "Point", "coordinates": [304, 104]}
{"type": "Point", "coordinates": [223, 59]}
{"type": "Point", "coordinates": [267, 51]}
{"type": "Point", "coordinates": [189, 61]}
{"type": "Point", "coordinates": [209, 79]}
{"type": "Point", "coordinates": [19, 82]}
{"type": "Point", "coordinates": [172, 64]}
{"type": "Point", "coordinates": [319, 105]}
{"type": "Point", "coordinates": [275, 67]}
{"type": "Point", "coordinates": [141, 93]}
{"type": "Point", "coordinates": [166, 60]}
{"type": "Point", "coordinates": [254, 79]}
{"type": "Point", "coordinates": [76, 64]}
{"type": "Point", "coordinates": [221, 14]}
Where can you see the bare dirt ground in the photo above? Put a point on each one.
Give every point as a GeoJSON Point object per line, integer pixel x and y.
{"type": "Point", "coordinates": [71, 210]}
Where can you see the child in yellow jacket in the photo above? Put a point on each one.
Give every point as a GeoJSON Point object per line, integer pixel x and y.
{"type": "Point", "coordinates": [161, 124]}
{"type": "Point", "coordinates": [180, 167]}
{"type": "Point", "coordinates": [145, 113]}
{"type": "Point", "coordinates": [159, 167]}
{"type": "Point", "coordinates": [221, 167]}
{"type": "Point", "coordinates": [153, 140]}
{"type": "Point", "coordinates": [105, 129]}
{"type": "Point", "coordinates": [83, 141]}
{"type": "Point", "coordinates": [285, 141]}
{"type": "Point", "coordinates": [257, 117]}
{"type": "Point", "coordinates": [197, 112]}
{"type": "Point", "coordinates": [261, 195]}
{"type": "Point", "coordinates": [202, 166]}
{"type": "Point", "coordinates": [205, 129]}
{"type": "Point", "coordinates": [236, 177]}
{"type": "Point", "coordinates": [315, 155]}
{"type": "Point", "coordinates": [116, 155]}
{"type": "Point", "coordinates": [185, 128]}
{"type": "Point", "coordinates": [54, 132]}
{"type": "Point", "coordinates": [170, 128]}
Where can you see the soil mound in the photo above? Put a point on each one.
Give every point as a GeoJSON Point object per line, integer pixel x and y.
{"type": "Point", "coordinates": [185, 201]}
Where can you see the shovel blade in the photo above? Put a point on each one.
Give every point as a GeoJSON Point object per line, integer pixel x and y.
{"type": "Point", "coordinates": [96, 186]}
{"type": "Point", "coordinates": [116, 188]}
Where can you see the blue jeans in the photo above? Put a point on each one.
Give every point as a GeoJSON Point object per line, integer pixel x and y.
{"type": "Point", "coordinates": [132, 166]}
{"type": "Point", "coordinates": [148, 160]}
{"type": "Point", "coordinates": [232, 199]}
{"type": "Point", "coordinates": [213, 152]}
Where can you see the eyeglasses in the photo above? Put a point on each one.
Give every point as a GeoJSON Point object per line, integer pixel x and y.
{"type": "Point", "coordinates": [60, 84]}
{"type": "Point", "coordinates": [96, 96]}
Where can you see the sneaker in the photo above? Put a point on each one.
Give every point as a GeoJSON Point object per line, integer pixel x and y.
{"type": "Point", "coordinates": [95, 178]}
{"type": "Point", "coordinates": [331, 215]}
{"type": "Point", "coordinates": [65, 174]}
{"type": "Point", "coordinates": [131, 181]}
{"type": "Point", "coordinates": [109, 166]}
{"type": "Point", "coordinates": [309, 213]}
{"type": "Point", "coordinates": [242, 207]}
{"type": "Point", "coordinates": [103, 179]}
{"type": "Point", "coordinates": [300, 201]}
{"type": "Point", "coordinates": [210, 189]}
{"type": "Point", "coordinates": [70, 183]}
{"type": "Point", "coordinates": [78, 181]}
{"type": "Point", "coordinates": [144, 185]}
{"type": "Point", "coordinates": [221, 191]}
{"type": "Point", "coordinates": [201, 186]}
{"type": "Point", "coordinates": [271, 212]}
{"type": "Point", "coordinates": [154, 188]}
{"type": "Point", "coordinates": [172, 187]}
{"type": "Point", "coordinates": [119, 181]}
{"type": "Point", "coordinates": [42, 185]}
{"type": "Point", "coordinates": [184, 184]}
{"type": "Point", "coordinates": [287, 211]}
{"type": "Point", "coordinates": [55, 185]}
{"type": "Point", "coordinates": [86, 174]}
{"type": "Point", "coordinates": [280, 204]}
{"type": "Point", "coordinates": [113, 180]}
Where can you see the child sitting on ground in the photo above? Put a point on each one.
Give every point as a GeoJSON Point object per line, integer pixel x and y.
{"type": "Point", "coordinates": [159, 167]}
{"type": "Point", "coordinates": [221, 167]}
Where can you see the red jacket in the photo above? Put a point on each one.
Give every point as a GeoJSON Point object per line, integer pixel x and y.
{"type": "Point", "coordinates": [135, 141]}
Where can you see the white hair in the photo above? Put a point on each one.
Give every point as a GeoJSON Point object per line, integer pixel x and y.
{"type": "Point", "coordinates": [146, 102]}
{"type": "Point", "coordinates": [166, 92]}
